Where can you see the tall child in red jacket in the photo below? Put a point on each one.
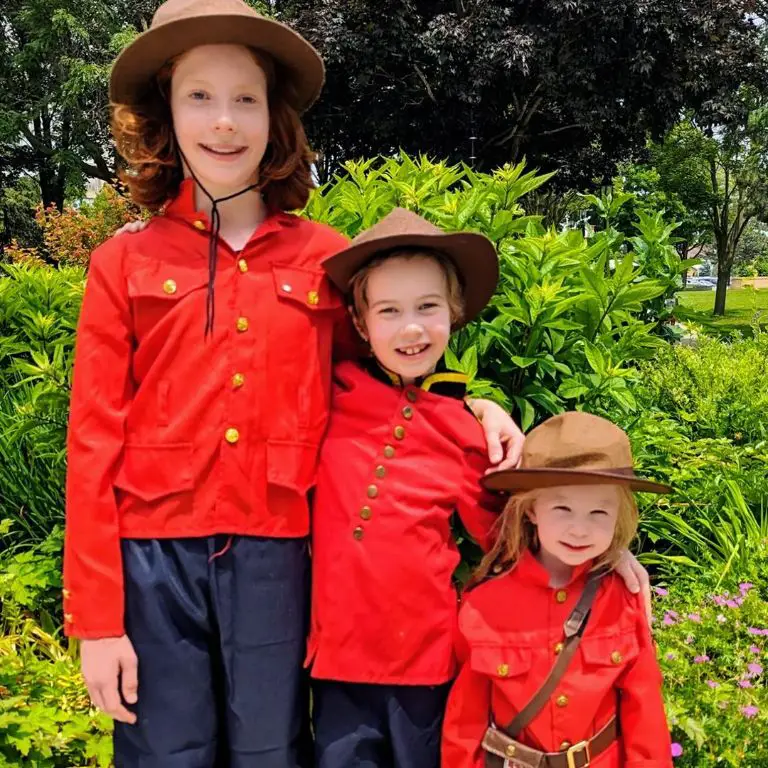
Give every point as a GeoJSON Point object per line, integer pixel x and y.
{"type": "Point", "coordinates": [401, 455]}
{"type": "Point", "coordinates": [532, 621]}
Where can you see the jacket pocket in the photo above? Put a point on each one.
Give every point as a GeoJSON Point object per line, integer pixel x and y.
{"type": "Point", "coordinates": [501, 661]}
{"type": "Point", "coordinates": [609, 652]}
{"type": "Point", "coordinates": [151, 471]}
{"type": "Point", "coordinates": [292, 464]}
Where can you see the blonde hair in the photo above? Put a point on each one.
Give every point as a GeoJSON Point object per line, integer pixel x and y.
{"type": "Point", "coordinates": [358, 284]}
{"type": "Point", "coordinates": [515, 533]}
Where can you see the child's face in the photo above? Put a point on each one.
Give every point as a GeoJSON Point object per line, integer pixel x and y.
{"type": "Point", "coordinates": [408, 320]}
{"type": "Point", "coordinates": [576, 523]}
{"type": "Point", "coordinates": [221, 115]}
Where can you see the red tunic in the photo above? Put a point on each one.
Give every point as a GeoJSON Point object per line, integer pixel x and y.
{"type": "Point", "coordinates": [173, 435]}
{"type": "Point", "coordinates": [509, 628]}
{"type": "Point", "coordinates": [395, 465]}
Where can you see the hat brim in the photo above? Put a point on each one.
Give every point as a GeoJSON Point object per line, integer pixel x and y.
{"type": "Point", "coordinates": [531, 479]}
{"type": "Point", "coordinates": [474, 256]}
{"type": "Point", "coordinates": [140, 61]}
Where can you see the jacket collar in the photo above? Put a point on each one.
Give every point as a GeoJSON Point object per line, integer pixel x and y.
{"type": "Point", "coordinates": [441, 382]}
{"type": "Point", "coordinates": [530, 569]}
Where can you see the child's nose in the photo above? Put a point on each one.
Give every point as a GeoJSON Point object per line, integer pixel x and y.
{"type": "Point", "coordinates": [224, 123]}
{"type": "Point", "coordinates": [413, 330]}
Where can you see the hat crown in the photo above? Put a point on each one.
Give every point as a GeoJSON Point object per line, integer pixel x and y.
{"type": "Point", "coordinates": [398, 221]}
{"type": "Point", "coordinates": [577, 440]}
{"type": "Point", "coordinates": [175, 10]}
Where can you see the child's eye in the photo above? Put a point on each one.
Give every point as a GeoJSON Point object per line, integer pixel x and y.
{"type": "Point", "coordinates": [599, 512]}
{"type": "Point", "coordinates": [198, 95]}
{"type": "Point", "coordinates": [387, 311]}
{"type": "Point", "coordinates": [429, 305]}
{"type": "Point", "coordinates": [249, 99]}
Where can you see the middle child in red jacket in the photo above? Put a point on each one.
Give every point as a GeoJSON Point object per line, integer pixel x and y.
{"type": "Point", "coordinates": [402, 453]}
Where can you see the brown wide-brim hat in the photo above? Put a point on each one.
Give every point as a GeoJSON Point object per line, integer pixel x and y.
{"type": "Point", "coordinates": [573, 448]}
{"type": "Point", "coordinates": [180, 25]}
{"type": "Point", "coordinates": [473, 255]}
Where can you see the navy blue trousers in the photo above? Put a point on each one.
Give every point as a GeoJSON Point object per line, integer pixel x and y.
{"type": "Point", "coordinates": [377, 726]}
{"type": "Point", "coordinates": [220, 643]}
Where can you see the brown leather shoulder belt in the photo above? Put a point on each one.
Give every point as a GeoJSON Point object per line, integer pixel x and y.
{"type": "Point", "coordinates": [501, 745]}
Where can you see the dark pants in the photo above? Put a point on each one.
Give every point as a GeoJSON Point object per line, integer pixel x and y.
{"type": "Point", "coordinates": [377, 726]}
{"type": "Point", "coordinates": [220, 642]}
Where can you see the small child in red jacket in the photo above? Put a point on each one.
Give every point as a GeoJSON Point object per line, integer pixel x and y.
{"type": "Point", "coordinates": [558, 666]}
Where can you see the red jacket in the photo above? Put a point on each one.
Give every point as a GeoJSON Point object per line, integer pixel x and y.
{"type": "Point", "coordinates": [173, 435]}
{"type": "Point", "coordinates": [509, 628]}
{"type": "Point", "coordinates": [395, 465]}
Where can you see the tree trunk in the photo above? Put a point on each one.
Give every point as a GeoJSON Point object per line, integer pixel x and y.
{"type": "Point", "coordinates": [684, 248]}
{"type": "Point", "coordinates": [723, 277]}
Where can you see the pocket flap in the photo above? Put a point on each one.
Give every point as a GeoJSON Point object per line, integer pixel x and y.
{"type": "Point", "coordinates": [292, 464]}
{"type": "Point", "coordinates": [610, 650]}
{"type": "Point", "coordinates": [153, 471]}
{"type": "Point", "coordinates": [308, 287]}
{"type": "Point", "coordinates": [170, 283]}
{"type": "Point", "coordinates": [500, 660]}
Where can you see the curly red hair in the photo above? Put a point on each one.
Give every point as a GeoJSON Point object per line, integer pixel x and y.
{"type": "Point", "coordinates": [145, 140]}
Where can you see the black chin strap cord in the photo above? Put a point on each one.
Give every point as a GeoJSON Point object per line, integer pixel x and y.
{"type": "Point", "coordinates": [213, 241]}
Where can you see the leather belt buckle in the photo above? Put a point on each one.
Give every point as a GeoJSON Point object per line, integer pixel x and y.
{"type": "Point", "coordinates": [581, 750]}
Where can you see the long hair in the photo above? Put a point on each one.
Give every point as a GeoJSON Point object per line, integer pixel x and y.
{"type": "Point", "coordinates": [145, 140]}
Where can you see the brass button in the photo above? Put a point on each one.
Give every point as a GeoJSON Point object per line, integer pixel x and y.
{"type": "Point", "coordinates": [286, 287]}
{"type": "Point", "coordinates": [510, 750]}
{"type": "Point", "coordinates": [408, 412]}
{"type": "Point", "coordinates": [66, 594]}
{"type": "Point", "coordinates": [565, 745]}
{"type": "Point", "coordinates": [411, 395]}
{"type": "Point", "coordinates": [558, 648]}
{"type": "Point", "coordinates": [242, 324]}
{"type": "Point", "coordinates": [561, 595]}
{"type": "Point", "coordinates": [242, 265]}
{"type": "Point", "coordinates": [358, 533]}
{"type": "Point", "coordinates": [169, 286]}
{"type": "Point", "coordinates": [366, 513]}
{"type": "Point", "coordinates": [69, 618]}
{"type": "Point", "coordinates": [231, 436]}
{"type": "Point", "coordinates": [497, 569]}
{"type": "Point", "coordinates": [399, 432]}
{"type": "Point", "coordinates": [238, 380]}
{"type": "Point", "coordinates": [373, 491]}
{"type": "Point", "coordinates": [380, 471]}
{"type": "Point", "coordinates": [313, 298]}
{"type": "Point", "coordinates": [616, 657]}
{"type": "Point", "coordinates": [562, 701]}
{"type": "Point", "coordinates": [199, 225]}
{"type": "Point", "coordinates": [389, 451]}
{"type": "Point", "coordinates": [502, 670]}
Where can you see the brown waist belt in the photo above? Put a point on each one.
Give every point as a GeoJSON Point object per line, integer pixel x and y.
{"type": "Point", "coordinates": [502, 751]}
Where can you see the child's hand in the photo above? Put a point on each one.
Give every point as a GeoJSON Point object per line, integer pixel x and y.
{"type": "Point", "coordinates": [104, 662]}
{"type": "Point", "coordinates": [131, 228]}
{"type": "Point", "coordinates": [636, 579]}
{"type": "Point", "coordinates": [503, 436]}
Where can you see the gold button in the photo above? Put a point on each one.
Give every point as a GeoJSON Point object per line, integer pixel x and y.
{"type": "Point", "coordinates": [380, 471]}
{"type": "Point", "coordinates": [373, 491]}
{"type": "Point", "coordinates": [408, 412]}
{"type": "Point", "coordinates": [286, 287]}
{"type": "Point", "coordinates": [399, 433]}
{"type": "Point", "coordinates": [69, 618]}
{"type": "Point", "coordinates": [366, 513]}
{"type": "Point", "coordinates": [411, 395]}
{"type": "Point", "coordinates": [242, 265]}
{"type": "Point", "coordinates": [231, 436]}
{"type": "Point", "coordinates": [199, 225]}
{"type": "Point", "coordinates": [389, 451]}
{"type": "Point", "coordinates": [565, 745]}
{"type": "Point", "coordinates": [502, 670]}
{"type": "Point", "coordinates": [561, 595]}
{"type": "Point", "coordinates": [242, 324]}
{"type": "Point", "coordinates": [497, 569]}
{"type": "Point", "coordinates": [510, 750]}
{"type": "Point", "coordinates": [169, 286]}
{"type": "Point", "coordinates": [358, 533]}
{"type": "Point", "coordinates": [313, 298]}
{"type": "Point", "coordinates": [561, 701]}
{"type": "Point", "coordinates": [238, 380]}
{"type": "Point", "coordinates": [66, 594]}
{"type": "Point", "coordinates": [616, 657]}
{"type": "Point", "coordinates": [558, 648]}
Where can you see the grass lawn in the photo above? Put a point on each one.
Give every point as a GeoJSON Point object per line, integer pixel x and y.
{"type": "Point", "coordinates": [741, 306]}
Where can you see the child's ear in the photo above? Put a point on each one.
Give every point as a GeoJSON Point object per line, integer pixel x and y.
{"type": "Point", "coordinates": [358, 323]}
{"type": "Point", "coordinates": [531, 515]}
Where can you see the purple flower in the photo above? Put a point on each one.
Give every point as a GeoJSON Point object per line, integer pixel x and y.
{"type": "Point", "coordinates": [755, 670]}
{"type": "Point", "coordinates": [695, 617]}
{"type": "Point", "coordinates": [677, 750]}
{"type": "Point", "coordinates": [670, 618]}
{"type": "Point", "coordinates": [739, 600]}
{"type": "Point", "coordinates": [660, 591]}
{"type": "Point", "coordinates": [744, 587]}
{"type": "Point", "coordinates": [755, 631]}
{"type": "Point", "coordinates": [749, 711]}
{"type": "Point", "coordinates": [713, 684]}
{"type": "Point", "coordinates": [745, 684]}
{"type": "Point", "coordinates": [754, 649]}
{"type": "Point", "coordinates": [700, 659]}
{"type": "Point", "coordinates": [731, 603]}
{"type": "Point", "coordinates": [689, 639]}
{"type": "Point", "coordinates": [718, 600]}
{"type": "Point", "coordinates": [670, 656]}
